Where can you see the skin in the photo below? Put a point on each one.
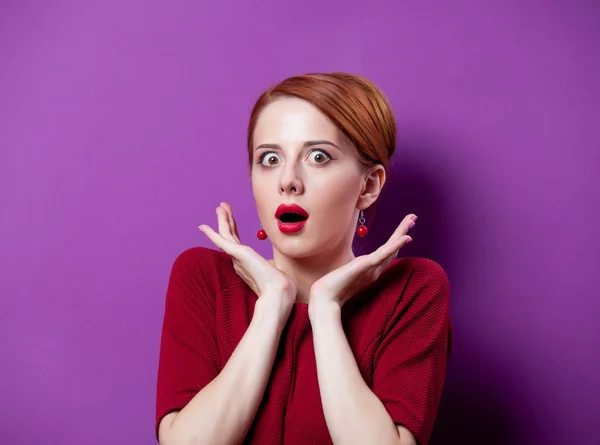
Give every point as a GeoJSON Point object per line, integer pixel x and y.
{"type": "Point", "coordinates": [329, 182]}
{"type": "Point", "coordinates": [315, 266]}
{"type": "Point", "coordinates": [326, 179]}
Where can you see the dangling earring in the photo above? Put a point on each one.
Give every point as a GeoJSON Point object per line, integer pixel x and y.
{"type": "Point", "coordinates": [362, 230]}
{"type": "Point", "coordinates": [261, 234]}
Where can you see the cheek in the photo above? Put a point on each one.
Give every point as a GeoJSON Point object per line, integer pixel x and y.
{"type": "Point", "coordinates": [337, 199]}
{"type": "Point", "coordinates": [259, 184]}
{"type": "Point", "coordinates": [262, 191]}
{"type": "Point", "coordinates": [341, 189]}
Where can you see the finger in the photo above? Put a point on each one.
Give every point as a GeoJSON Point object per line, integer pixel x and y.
{"type": "Point", "coordinates": [392, 246]}
{"type": "Point", "coordinates": [227, 208]}
{"type": "Point", "coordinates": [400, 236]}
{"type": "Point", "coordinates": [226, 245]}
{"type": "Point", "coordinates": [232, 223]}
{"type": "Point", "coordinates": [223, 224]}
{"type": "Point", "coordinates": [380, 261]}
{"type": "Point", "coordinates": [398, 240]}
{"type": "Point", "coordinates": [383, 256]}
{"type": "Point", "coordinates": [407, 223]}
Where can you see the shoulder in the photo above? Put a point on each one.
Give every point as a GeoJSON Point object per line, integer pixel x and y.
{"type": "Point", "coordinates": [422, 267]}
{"type": "Point", "coordinates": [415, 281]}
{"type": "Point", "coordinates": [425, 271]}
{"type": "Point", "coordinates": [200, 255]}
{"type": "Point", "coordinates": [209, 266]}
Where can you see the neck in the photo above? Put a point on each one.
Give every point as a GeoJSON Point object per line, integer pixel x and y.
{"type": "Point", "coordinates": [305, 271]}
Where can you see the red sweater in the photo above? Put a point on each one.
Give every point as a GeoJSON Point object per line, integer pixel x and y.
{"type": "Point", "coordinates": [398, 328]}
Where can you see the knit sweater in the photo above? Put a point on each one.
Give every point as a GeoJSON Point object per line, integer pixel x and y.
{"type": "Point", "coordinates": [398, 329]}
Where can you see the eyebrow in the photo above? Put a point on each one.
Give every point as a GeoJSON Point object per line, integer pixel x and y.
{"type": "Point", "coordinates": [306, 144]}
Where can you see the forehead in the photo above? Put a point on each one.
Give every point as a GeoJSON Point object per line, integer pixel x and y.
{"type": "Point", "coordinates": [293, 120]}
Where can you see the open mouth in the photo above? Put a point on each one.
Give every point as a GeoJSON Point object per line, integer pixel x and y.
{"type": "Point", "coordinates": [291, 217]}
{"type": "Point", "coordinates": [291, 214]}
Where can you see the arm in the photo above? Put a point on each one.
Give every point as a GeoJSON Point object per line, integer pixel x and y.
{"type": "Point", "coordinates": [222, 412]}
{"type": "Point", "coordinates": [202, 401]}
{"type": "Point", "coordinates": [410, 359]}
{"type": "Point", "coordinates": [354, 414]}
{"type": "Point", "coordinates": [409, 364]}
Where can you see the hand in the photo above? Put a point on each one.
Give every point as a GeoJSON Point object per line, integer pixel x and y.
{"type": "Point", "coordinates": [341, 284]}
{"type": "Point", "coordinates": [259, 274]}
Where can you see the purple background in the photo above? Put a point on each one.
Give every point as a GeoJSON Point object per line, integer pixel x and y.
{"type": "Point", "coordinates": [122, 126]}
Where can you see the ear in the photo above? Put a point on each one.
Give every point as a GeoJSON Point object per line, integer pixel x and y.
{"type": "Point", "coordinates": [374, 180]}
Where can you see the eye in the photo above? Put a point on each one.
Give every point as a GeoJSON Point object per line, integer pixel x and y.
{"type": "Point", "coordinates": [269, 158]}
{"type": "Point", "coordinates": [319, 156]}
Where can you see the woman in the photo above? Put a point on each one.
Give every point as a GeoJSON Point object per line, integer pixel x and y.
{"type": "Point", "coordinates": [315, 346]}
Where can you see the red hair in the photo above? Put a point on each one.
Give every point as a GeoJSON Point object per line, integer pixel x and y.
{"type": "Point", "coordinates": [354, 104]}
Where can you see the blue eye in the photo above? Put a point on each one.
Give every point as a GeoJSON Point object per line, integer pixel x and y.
{"type": "Point", "coordinates": [270, 157]}
{"type": "Point", "coordinates": [319, 156]}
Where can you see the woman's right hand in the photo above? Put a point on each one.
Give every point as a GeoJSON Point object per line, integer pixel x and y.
{"type": "Point", "coordinates": [259, 274]}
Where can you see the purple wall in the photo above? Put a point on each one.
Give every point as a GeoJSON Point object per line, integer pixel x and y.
{"type": "Point", "coordinates": [122, 126]}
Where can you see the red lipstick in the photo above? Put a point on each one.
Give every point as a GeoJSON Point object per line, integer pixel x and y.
{"type": "Point", "coordinates": [291, 218]}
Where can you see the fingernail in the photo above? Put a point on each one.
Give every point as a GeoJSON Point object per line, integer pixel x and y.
{"type": "Point", "coordinates": [411, 225]}
{"type": "Point", "coordinates": [201, 228]}
{"type": "Point", "coordinates": [408, 240]}
{"type": "Point", "coordinates": [415, 217]}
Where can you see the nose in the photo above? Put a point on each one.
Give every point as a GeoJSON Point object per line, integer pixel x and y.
{"type": "Point", "coordinates": [290, 181]}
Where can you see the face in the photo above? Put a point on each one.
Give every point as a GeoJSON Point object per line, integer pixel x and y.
{"type": "Point", "coordinates": [301, 158]}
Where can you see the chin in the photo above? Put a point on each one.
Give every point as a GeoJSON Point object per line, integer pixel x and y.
{"type": "Point", "coordinates": [295, 248]}
{"type": "Point", "coordinates": [303, 246]}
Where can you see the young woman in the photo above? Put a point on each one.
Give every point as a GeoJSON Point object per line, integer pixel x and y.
{"type": "Point", "coordinates": [314, 346]}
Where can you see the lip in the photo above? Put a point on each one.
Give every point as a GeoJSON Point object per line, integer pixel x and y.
{"type": "Point", "coordinates": [290, 208]}
{"type": "Point", "coordinates": [290, 227]}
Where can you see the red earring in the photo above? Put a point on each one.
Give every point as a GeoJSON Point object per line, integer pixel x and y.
{"type": "Point", "coordinates": [261, 234]}
{"type": "Point", "coordinates": [362, 230]}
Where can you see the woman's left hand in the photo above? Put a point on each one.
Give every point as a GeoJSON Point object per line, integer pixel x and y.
{"type": "Point", "coordinates": [339, 285]}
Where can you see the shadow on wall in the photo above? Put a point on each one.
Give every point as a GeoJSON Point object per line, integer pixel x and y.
{"type": "Point", "coordinates": [471, 411]}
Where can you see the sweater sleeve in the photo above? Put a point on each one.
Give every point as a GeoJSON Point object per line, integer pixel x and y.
{"type": "Point", "coordinates": [189, 356]}
{"type": "Point", "coordinates": [410, 362]}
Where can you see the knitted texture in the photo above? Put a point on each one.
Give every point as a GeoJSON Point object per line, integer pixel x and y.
{"type": "Point", "coordinates": [399, 330]}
